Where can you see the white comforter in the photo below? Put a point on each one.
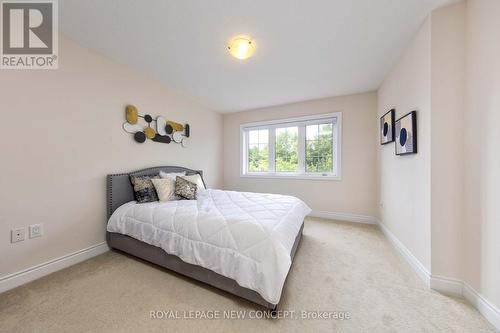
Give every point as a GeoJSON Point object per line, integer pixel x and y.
{"type": "Point", "coordinates": [244, 236]}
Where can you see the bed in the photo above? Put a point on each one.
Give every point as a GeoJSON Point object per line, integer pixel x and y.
{"type": "Point", "coordinates": [242, 243]}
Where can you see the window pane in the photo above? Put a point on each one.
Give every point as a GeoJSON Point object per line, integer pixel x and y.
{"type": "Point", "coordinates": [263, 136]}
{"type": "Point", "coordinates": [258, 158]}
{"type": "Point", "coordinates": [312, 132]}
{"type": "Point", "coordinates": [325, 129]}
{"type": "Point", "coordinates": [253, 137]}
{"type": "Point", "coordinates": [287, 149]}
{"type": "Point", "coordinates": [258, 150]}
{"type": "Point", "coordinates": [319, 147]}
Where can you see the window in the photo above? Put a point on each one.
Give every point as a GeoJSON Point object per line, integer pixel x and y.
{"type": "Point", "coordinates": [306, 147]}
{"type": "Point", "coordinates": [258, 150]}
{"type": "Point", "coordinates": [286, 149]}
{"type": "Point", "coordinates": [319, 147]}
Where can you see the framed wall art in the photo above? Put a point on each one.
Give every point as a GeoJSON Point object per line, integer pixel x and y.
{"type": "Point", "coordinates": [406, 134]}
{"type": "Point", "coordinates": [387, 127]}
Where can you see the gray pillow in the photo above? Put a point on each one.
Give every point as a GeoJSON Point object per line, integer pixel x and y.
{"type": "Point", "coordinates": [144, 190]}
{"type": "Point", "coordinates": [185, 188]}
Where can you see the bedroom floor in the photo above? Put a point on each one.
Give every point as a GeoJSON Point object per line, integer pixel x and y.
{"type": "Point", "coordinates": [339, 267]}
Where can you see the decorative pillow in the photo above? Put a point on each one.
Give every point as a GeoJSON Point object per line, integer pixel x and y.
{"type": "Point", "coordinates": [196, 178]}
{"type": "Point", "coordinates": [185, 188]}
{"type": "Point", "coordinates": [144, 189]}
{"type": "Point", "coordinates": [172, 175]}
{"type": "Point", "coordinates": [165, 188]}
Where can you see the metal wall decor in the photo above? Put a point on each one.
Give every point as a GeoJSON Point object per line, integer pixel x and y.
{"type": "Point", "coordinates": [165, 131]}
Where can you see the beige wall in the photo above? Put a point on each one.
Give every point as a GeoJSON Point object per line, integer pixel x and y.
{"type": "Point", "coordinates": [405, 180]}
{"type": "Point", "coordinates": [62, 134]}
{"type": "Point", "coordinates": [447, 104]}
{"type": "Point", "coordinates": [451, 75]}
{"type": "Point", "coordinates": [357, 191]}
{"type": "Point", "coordinates": [481, 250]}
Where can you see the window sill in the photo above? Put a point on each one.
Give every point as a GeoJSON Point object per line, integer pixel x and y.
{"type": "Point", "coordinates": [291, 177]}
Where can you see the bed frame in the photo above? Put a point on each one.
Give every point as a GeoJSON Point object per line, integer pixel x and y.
{"type": "Point", "coordinates": [120, 191]}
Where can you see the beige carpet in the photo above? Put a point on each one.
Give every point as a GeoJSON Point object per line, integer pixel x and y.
{"type": "Point", "coordinates": [339, 267]}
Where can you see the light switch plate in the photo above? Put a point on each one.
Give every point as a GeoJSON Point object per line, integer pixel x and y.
{"type": "Point", "coordinates": [36, 230]}
{"type": "Point", "coordinates": [17, 235]}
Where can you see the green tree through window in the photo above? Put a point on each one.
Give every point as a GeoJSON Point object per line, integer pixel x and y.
{"type": "Point", "coordinates": [287, 149]}
{"type": "Point", "coordinates": [295, 147]}
{"type": "Point", "coordinates": [258, 150]}
{"type": "Point", "coordinates": [319, 148]}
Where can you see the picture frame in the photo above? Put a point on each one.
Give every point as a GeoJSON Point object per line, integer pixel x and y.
{"type": "Point", "coordinates": [387, 127]}
{"type": "Point", "coordinates": [406, 134]}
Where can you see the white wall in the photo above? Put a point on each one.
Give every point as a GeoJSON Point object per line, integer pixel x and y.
{"type": "Point", "coordinates": [357, 191]}
{"type": "Point", "coordinates": [405, 180]}
{"type": "Point", "coordinates": [481, 250]}
{"type": "Point", "coordinates": [62, 134]}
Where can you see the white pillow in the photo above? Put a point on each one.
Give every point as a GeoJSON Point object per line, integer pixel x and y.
{"type": "Point", "coordinates": [200, 187]}
{"type": "Point", "coordinates": [165, 188]}
{"type": "Point", "coordinates": [172, 175]}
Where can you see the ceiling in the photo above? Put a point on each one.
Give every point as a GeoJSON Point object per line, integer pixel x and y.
{"type": "Point", "coordinates": [304, 49]}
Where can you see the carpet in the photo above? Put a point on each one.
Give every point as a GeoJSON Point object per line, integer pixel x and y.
{"type": "Point", "coordinates": [346, 278]}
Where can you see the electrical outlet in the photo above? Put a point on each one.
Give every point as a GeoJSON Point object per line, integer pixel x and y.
{"type": "Point", "coordinates": [36, 230]}
{"type": "Point", "coordinates": [17, 235]}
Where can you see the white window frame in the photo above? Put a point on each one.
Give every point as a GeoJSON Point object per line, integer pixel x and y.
{"type": "Point", "coordinates": [301, 122]}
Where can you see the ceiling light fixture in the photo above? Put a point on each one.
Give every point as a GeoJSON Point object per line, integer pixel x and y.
{"type": "Point", "coordinates": [241, 47]}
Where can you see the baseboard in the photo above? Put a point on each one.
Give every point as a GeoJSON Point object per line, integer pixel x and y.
{"type": "Point", "coordinates": [417, 266]}
{"type": "Point", "coordinates": [457, 287]}
{"type": "Point", "coordinates": [344, 217]}
{"type": "Point", "coordinates": [486, 308]}
{"type": "Point", "coordinates": [14, 280]}
{"type": "Point", "coordinates": [445, 285]}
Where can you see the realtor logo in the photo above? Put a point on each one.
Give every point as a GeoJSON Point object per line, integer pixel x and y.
{"type": "Point", "coordinates": [29, 35]}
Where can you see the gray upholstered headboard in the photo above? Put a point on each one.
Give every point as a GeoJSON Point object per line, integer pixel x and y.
{"type": "Point", "coordinates": [119, 188]}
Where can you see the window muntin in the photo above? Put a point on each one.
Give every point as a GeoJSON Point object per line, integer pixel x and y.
{"type": "Point", "coordinates": [305, 147]}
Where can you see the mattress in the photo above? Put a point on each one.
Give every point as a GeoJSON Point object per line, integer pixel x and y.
{"type": "Point", "coordinates": [244, 236]}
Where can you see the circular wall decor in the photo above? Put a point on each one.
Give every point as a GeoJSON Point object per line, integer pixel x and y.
{"type": "Point", "coordinates": [169, 129]}
{"type": "Point", "coordinates": [140, 137]}
{"type": "Point", "coordinates": [177, 137]}
{"type": "Point", "coordinates": [131, 114]}
{"type": "Point", "coordinates": [132, 128]}
{"type": "Point", "coordinates": [161, 138]}
{"type": "Point", "coordinates": [158, 130]}
{"type": "Point", "coordinates": [160, 126]}
{"type": "Point", "coordinates": [150, 133]}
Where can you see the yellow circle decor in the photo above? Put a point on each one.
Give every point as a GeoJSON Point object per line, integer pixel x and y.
{"type": "Point", "coordinates": [176, 126]}
{"type": "Point", "coordinates": [132, 114]}
{"type": "Point", "coordinates": [150, 133]}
